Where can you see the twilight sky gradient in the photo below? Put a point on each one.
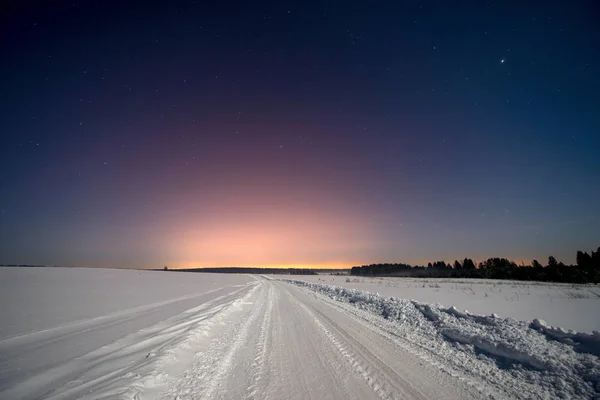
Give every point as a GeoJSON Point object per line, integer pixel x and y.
{"type": "Point", "coordinates": [330, 133]}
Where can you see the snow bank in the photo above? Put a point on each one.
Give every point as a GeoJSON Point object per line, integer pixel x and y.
{"type": "Point", "coordinates": [559, 304]}
{"type": "Point", "coordinates": [527, 360]}
{"type": "Point", "coordinates": [584, 342]}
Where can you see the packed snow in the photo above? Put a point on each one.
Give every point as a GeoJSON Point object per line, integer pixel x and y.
{"type": "Point", "coordinates": [570, 306]}
{"type": "Point", "coordinates": [118, 334]}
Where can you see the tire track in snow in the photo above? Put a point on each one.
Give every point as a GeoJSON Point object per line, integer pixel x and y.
{"type": "Point", "coordinates": [227, 361]}
{"type": "Point", "coordinates": [258, 364]}
{"type": "Point", "coordinates": [336, 367]}
{"type": "Point", "coordinates": [356, 366]}
{"type": "Point", "coordinates": [377, 374]}
{"type": "Point", "coordinates": [448, 365]}
{"type": "Point", "coordinates": [210, 370]}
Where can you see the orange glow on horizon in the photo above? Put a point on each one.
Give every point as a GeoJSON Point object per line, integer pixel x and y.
{"type": "Point", "coordinates": [278, 230]}
{"type": "Point", "coordinates": [339, 266]}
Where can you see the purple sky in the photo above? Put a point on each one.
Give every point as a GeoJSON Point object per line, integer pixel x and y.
{"type": "Point", "coordinates": [313, 134]}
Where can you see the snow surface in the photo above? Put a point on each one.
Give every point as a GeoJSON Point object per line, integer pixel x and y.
{"type": "Point", "coordinates": [522, 360]}
{"type": "Point", "coordinates": [116, 334]}
{"type": "Point", "coordinates": [34, 299]}
{"type": "Point", "coordinates": [59, 324]}
{"type": "Point", "coordinates": [575, 307]}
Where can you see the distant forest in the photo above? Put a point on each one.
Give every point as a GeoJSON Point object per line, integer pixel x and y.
{"type": "Point", "coordinates": [587, 269]}
{"type": "Point", "coordinates": [250, 270]}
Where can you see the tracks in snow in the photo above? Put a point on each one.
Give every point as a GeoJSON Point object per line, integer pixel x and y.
{"type": "Point", "coordinates": [259, 363]}
{"type": "Point", "coordinates": [282, 342]}
{"type": "Point", "coordinates": [231, 363]}
{"type": "Point", "coordinates": [384, 381]}
{"type": "Point", "coordinates": [264, 340]}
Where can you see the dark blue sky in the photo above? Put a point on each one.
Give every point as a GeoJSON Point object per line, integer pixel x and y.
{"type": "Point", "coordinates": [328, 133]}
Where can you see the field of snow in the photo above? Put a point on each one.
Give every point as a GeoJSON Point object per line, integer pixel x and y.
{"type": "Point", "coordinates": [118, 334]}
{"type": "Point", "coordinates": [569, 306]}
{"type": "Point", "coordinates": [57, 324]}
{"type": "Point", "coordinates": [48, 297]}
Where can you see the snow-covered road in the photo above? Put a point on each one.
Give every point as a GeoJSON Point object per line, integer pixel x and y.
{"type": "Point", "coordinates": [283, 343]}
{"type": "Point", "coordinates": [253, 337]}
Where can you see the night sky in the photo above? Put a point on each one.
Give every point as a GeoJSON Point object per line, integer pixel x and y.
{"type": "Point", "coordinates": [333, 133]}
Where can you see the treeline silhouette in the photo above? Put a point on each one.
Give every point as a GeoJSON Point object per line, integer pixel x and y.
{"type": "Point", "coordinates": [250, 270]}
{"type": "Point", "coordinates": [22, 265]}
{"type": "Point", "coordinates": [586, 270]}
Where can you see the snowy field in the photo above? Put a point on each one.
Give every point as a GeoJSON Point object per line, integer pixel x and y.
{"type": "Point", "coordinates": [569, 306]}
{"type": "Point", "coordinates": [56, 324]}
{"type": "Point", "coordinates": [43, 298]}
{"type": "Point", "coordinates": [118, 334]}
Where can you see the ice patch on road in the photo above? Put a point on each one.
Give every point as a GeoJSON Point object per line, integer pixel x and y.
{"type": "Point", "coordinates": [525, 359]}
